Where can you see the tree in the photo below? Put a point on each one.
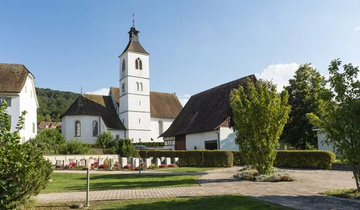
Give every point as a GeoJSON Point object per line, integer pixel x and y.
{"type": "Point", "coordinates": [74, 147]}
{"type": "Point", "coordinates": [340, 117]}
{"type": "Point", "coordinates": [23, 170]}
{"type": "Point", "coordinates": [259, 116]}
{"type": "Point", "coordinates": [105, 140]}
{"type": "Point", "coordinates": [51, 141]}
{"type": "Point", "coordinates": [124, 148]}
{"type": "Point", "coordinates": [306, 91]}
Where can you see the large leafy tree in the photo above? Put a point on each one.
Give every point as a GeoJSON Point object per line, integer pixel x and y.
{"type": "Point", "coordinates": [23, 170]}
{"type": "Point", "coordinates": [259, 115]}
{"type": "Point", "coordinates": [49, 140]}
{"type": "Point", "coordinates": [306, 91]}
{"type": "Point", "coordinates": [340, 117]}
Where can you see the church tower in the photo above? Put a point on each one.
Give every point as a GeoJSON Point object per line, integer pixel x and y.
{"type": "Point", "coordinates": [134, 101]}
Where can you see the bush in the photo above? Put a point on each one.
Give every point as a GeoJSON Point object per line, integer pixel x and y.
{"type": "Point", "coordinates": [253, 175]}
{"type": "Point", "coordinates": [105, 140]}
{"type": "Point", "coordinates": [194, 158]}
{"type": "Point", "coordinates": [124, 148]}
{"type": "Point", "coordinates": [75, 147]}
{"type": "Point", "coordinates": [237, 158]}
{"type": "Point", "coordinates": [50, 141]}
{"type": "Point", "coordinates": [23, 170]}
{"type": "Point", "coordinates": [304, 159]}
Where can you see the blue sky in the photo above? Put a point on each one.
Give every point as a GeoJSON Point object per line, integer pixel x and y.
{"type": "Point", "coordinates": [194, 45]}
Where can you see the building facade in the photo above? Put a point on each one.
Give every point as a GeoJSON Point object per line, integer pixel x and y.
{"type": "Point", "coordinates": [130, 111]}
{"type": "Point", "coordinates": [17, 88]}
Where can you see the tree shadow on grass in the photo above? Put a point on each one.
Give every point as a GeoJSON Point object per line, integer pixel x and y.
{"type": "Point", "coordinates": [111, 182]}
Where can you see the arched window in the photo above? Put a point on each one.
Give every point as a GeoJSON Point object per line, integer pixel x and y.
{"type": "Point", "coordinates": [137, 86]}
{"type": "Point", "coordinates": [138, 64]}
{"type": "Point", "coordinates": [141, 86]}
{"type": "Point", "coordinates": [77, 128]}
{"type": "Point", "coordinates": [123, 69]}
{"type": "Point", "coordinates": [95, 128]}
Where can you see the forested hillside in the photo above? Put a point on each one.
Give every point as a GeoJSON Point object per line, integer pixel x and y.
{"type": "Point", "coordinates": [53, 103]}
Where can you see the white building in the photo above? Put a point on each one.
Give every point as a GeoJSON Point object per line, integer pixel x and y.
{"type": "Point", "coordinates": [205, 121]}
{"type": "Point", "coordinates": [17, 88]}
{"type": "Point", "coordinates": [130, 111]}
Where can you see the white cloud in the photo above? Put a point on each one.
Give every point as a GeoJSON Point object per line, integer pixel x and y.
{"type": "Point", "coordinates": [102, 91]}
{"type": "Point", "coordinates": [184, 98]}
{"type": "Point", "coordinates": [357, 28]}
{"type": "Point", "coordinates": [279, 74]}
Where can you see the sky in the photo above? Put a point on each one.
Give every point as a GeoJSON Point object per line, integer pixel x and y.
{"type": "Point", "coordinates": [194, 45]}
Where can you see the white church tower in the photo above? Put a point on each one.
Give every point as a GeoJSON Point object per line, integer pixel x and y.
{"type": "Point", "coordinates": [134, 101]}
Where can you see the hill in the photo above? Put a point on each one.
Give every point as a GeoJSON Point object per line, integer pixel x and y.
{"type": "Point", "coordinates": [53, 103]}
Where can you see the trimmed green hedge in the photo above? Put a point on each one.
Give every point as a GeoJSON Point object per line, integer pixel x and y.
{"type": "Point", "coordinates": [304, 159]}
{"type": "Point", "coordinates": [237, 158]}
{"type": "Point", "coordinates": [194, 158]}
{"type": "Point", "coordinates": [150, 144]}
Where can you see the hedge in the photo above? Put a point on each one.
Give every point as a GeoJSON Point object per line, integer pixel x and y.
{"type": "Point", "coordinates": [214, 158]}
{"type": "Point", "coordinates": [304, 159]}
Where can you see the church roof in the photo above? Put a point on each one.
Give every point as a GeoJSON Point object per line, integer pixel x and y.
{"type": "Point", "coordinates": [162, 105]}
{"type": "Point", "coordinates": [96, 105]}
{"type": "Point", "coordinates": [135, 46]}
{"type": "Point", "coordinates": [13, 77]}
{"type": "Point", "coordinates": [205, 111]}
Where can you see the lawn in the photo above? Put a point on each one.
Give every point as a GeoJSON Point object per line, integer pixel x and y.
{"type": "Point", "coordinates": [65, 182]}
{"type": "Point", "coordinates": [344, 193]}
{"type": "Point", "coordinates": [187, 169]}
{"type": "Point", "coordinates": [210, 202]}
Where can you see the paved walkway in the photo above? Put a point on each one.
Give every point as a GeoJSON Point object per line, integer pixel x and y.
{"type": "Point", "coordinates": [301, 194]}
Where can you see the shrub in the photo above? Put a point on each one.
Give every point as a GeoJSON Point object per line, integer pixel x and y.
{"type": "Point", "coordinates": [194, 158]}
{"type": "Point", "coordinates": [304, 159]}
{"type": "Point", "coordinates": [253, 175]}
{"type": "Point", "coordinates": [237, 158]}
{"type": "Point", "coordinates": [23, 170]}
{"type": "Point", "coordinates": [104, 166]}
{"type": "Point", "coordinates": [50, 141]}
{"type": "Point", "coordinates": [124, 148]}
{"type": "Point", "coordinates": [105, 140]}
{"type": "Point", "coordinates": [128, 166]}
{"type": "Point", "coordinates": [75, 147]}
{"type": "Point", "coordinates": [172, 165]}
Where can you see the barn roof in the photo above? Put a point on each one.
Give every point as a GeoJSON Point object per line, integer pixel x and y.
{"type": "Point", "coordinates": [206, 110]}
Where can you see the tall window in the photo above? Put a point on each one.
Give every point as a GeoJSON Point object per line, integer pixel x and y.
{"type": "Point", "coordinates": [33, 127]}
{"type": "Point", "coordinates": [161, 128]}
{"type": "Point", "coordinates": [137, 86]}
{"type": "Point", "coordinates": [95, 128]}
{"type": "Point", "coordinates": [123, 69]}
{"type": "Point", "coordinates": [141, 86]}
{"type": "Point", "coordinates": [138, 64]}
{"type": "Point", "coordinates": [77, 128]}
{"type": "Point", "coordinates": [123, 87]}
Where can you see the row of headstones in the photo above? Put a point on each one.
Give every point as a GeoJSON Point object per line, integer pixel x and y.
{"type": "Point", "coordinates": [123, 163]}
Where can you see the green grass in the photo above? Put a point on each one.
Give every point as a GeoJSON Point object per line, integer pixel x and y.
{"type": "Point", "coordinates": [65, 182]}
{"type": "Point", "coordinates": [211, 202]}
{"type": "Point", "coordinates": [344, 193]}
{"type": "Point", "coordinates": [186, 169]}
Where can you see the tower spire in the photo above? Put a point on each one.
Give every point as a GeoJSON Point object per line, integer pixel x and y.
{"type": "Point", "coordinates": [133, 16]}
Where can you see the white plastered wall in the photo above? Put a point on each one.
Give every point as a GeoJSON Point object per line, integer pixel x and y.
{"type": "Point", "coordinates": [227, 139]}
{"type": "Point", "coordinates": [155, 133]}
{"type": "Point", "coordinates": [198, 139]}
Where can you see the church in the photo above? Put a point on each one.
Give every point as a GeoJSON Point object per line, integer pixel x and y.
{"type": "Point", "coordinates": [129, 111]}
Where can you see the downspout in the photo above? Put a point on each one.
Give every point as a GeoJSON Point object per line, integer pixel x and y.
{"type": "Point", "coordinates": [217, 131]}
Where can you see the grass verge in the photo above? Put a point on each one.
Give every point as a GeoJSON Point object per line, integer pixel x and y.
{"type": "Point", "coordinates": [344, 193]}
{"type": "Point", "coordinates": [187, 169]}
{"type": "Point", "coordinates": [65, 182]}
{"type": "Point", "coordinates": [208, 202]}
